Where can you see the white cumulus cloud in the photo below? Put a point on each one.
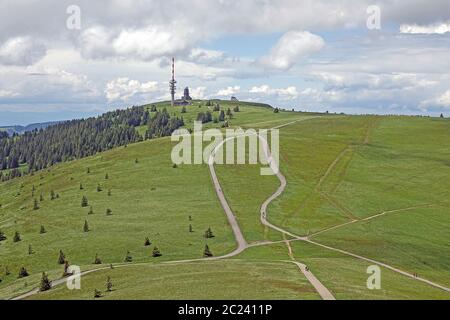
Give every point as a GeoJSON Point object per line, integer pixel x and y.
{"type": "Point", "coordinates": [444, 99]}
{"type": "Point", "coordinates": [293, 46]}
{"type": "Point", "coordinates": [125, 89]}
{"type": "Point", "coordinates": [434, 28]}
{"type": "Point", "coordinates": [198, 93]}
{"type": "Point", "coordinates": [21, 51]}
{"type": "Point", "coordinates": [229, 91]}
{"type": "Point", "coordinates": [289, 93]}
{"type": "Point", "coordinates": [147, 43]}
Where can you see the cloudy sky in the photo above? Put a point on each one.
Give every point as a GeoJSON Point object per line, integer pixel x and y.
{"type": "Point", "coordinates": [304, 54]}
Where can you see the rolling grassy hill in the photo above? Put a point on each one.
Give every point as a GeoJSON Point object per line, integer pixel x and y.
{"type": "Point", "coordinates": [338, 168]}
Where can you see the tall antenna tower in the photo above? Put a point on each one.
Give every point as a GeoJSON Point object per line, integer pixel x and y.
{"type": "Point", "coordinates": [173, 83]}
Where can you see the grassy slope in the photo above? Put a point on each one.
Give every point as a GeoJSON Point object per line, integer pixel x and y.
{"type": "Point", "coordinates": [144, 197]}
{"type": "Point", "coordinates": [262, 272]}
{"type": "Point", "coordinates": [382, 164]}
{"type": "Point", "coordinates": [346, 277]}
{"type": "Point", "coordinates": [308, 149]}
{"type": "Point", "coordinates": [343, 275]}
{"type": "Point", "coordinates": [229, 279]}
{"type": "Point", "coordinates": [405, 165]}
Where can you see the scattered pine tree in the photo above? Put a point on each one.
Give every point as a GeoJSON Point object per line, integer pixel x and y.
{"type": "Point", "coordinates": [136, 160]}
{"type": "Point", "coordinates": [86, 226]}
{"type": "Point", "coordinates": [97, 260]}
{"type": "Point", "coordinates": [17, 237]}
{"type": "Point", "coordinates": [106, 176]}
{"type": "Point", "coordinates": [42, 230]}
{"type": "Point", "coordinates": [23, 273]}
{"type": "Point", "coordinates": [7, 272]}
{"type": "Point", "coordinates": [147, 242]}
{"type": "Point", "coordinates": [30, 249]}
{"type": "Point", "coordinates": [88, 170]}
{"type": "Point", "coordinates": [276, 110]}
{"type": "Point", "coordinates": [109, 193]}
{"type": "Point", "coordinates": [209, 234]}
{"type": "Point", "coordinates": [207, 253]}
{"type": "Point", "coordinates": [62, 257]}
{"type": "Point", "coordinates": [41, 197]}
{"type": "Point", "coordinates": [91, 210]}
{"type": "Point", "coordinates": [84, 202]}
{"type": "Point", "coordinates": [2, 236]}
{"type": "Point", "coordinates": [191, 229]}
{"type": "Point", "coordinates": [81, 186]}
{"type": "Point", "coordinates": [442, 115]}
{"type": "Point", "coordinates": [52, 195]}
{"type": "Point", "coordinates": [66, 272]}
{"type": "Point", "coordinates": [204, 117]}
{"type": "Point", "coordinates": [97, 294]}
{"type": "Point", "coordinates": [99, 188]}
{"type": "Point", "coordinates": [156, 253]}
{"type": "Point", "coordinates": [46, 284]}
{"type": "Point", "coordinates": [128, 257]}
{"type": "Point", "coordinates": [108, 212]}
{"type": "Point", "coordinates": [222, 116]}
{"type": "Point", "coordinates": [109, 284]}
{"type": "Point", "coordinates": [35, 205]}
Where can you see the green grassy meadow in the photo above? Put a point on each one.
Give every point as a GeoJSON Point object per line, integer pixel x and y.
{"type": "Point", "coordinates": [338, 169]}
{"type": "Point", "coordinates": [230, 280]}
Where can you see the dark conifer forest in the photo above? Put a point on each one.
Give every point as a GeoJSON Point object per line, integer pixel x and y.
{"type": "Point", "coordinates": [75, 139]}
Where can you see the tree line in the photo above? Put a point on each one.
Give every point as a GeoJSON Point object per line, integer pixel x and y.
{"type": "Point", "coordinates": [76, 139]}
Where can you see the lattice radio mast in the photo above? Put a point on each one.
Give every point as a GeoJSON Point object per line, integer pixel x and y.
{"type": "Point", "coordinates": [173, 83]}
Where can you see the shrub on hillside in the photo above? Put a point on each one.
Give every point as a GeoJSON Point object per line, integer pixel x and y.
{"type": "Point", "coordinates": [207, 253]}
{"type": "Point", "coordinates": [97, 260]}
{"type": "Point", "coordinates": [17, 237]}
{"type": "Point", "coordinates": [209, 234]}
{"type": "Point", "coordinates": [46, 284]}
{"type": "Point", "coordinates": [84, 202]}
{"type": "Point", "coordinates": [156, 253]}
{"type": "Point", "coordinates": [128, 257]}
{"type": "Point", "coordinates": [23, 273]}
